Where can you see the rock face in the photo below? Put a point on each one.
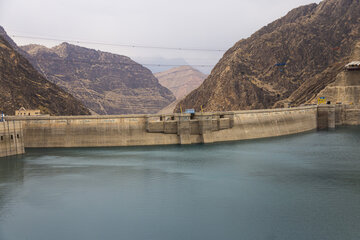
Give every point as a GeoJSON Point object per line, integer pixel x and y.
{"type": "Point", "coordinates": [11, 42]}
{"type": "Point", "coordinates": [23, 86]}
{"type": "Point", "coordinates": [286, 62]}
{"type": "Point", "coordinates": [169, 109]}
{"type": "Point", "coordinates": [106, 83]}
{"type": "Point", "coordinates": [181, 80]}
{"type": "Point", "coordinates": [346, 88]}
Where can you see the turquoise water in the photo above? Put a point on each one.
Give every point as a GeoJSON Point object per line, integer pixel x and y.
{"type": "Point", "coordinates": [305, 186]}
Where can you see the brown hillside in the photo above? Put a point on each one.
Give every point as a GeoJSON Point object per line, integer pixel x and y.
{"type": "Point", "coordinates": [106, 83]}
{"type": "Point", "coordinates": [346, 87]}
{"type": "Point", "coordinates": [181, 80]}
{"type": "Point", "coordinates": [313, 42]}
{"type": "Point", "coordinates": [22, 86]}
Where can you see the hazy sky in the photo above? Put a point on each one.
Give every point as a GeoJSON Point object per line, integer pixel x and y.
{"type": "Point", "coordinates": [209, 24]}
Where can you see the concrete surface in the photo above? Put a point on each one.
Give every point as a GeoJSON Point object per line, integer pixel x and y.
{"type": "Point", "coordinates": [11, 138]}
{"type": "Point", "coordinates": [134, 130]}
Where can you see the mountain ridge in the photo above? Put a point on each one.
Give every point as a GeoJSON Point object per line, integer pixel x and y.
{"type": "Point", "coordinates": [23, 86]}
{"type": "Point", "coordinates": [106, 83]}
{"type": "Point", "coordinates": [283, 63]}
{"type": "Point", "coordinates": [181, 80]}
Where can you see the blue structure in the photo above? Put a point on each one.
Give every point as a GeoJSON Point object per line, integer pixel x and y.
{"type": "Point", "coordinates": [280, 64]}
{"type": "Point", "coordinates": [192, 111]}
{"type": "Point", "coordinates": [2, 117]}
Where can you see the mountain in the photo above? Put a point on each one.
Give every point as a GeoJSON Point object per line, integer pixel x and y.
{"type": "Point", "coordinates": [11, 42]}
{"type": "Point", "coordinates": [346, 87]}
{"type": "Point", "coordinates": [286, 62]}
{"type": "Point", "coordinates": [106, 83]}
{"type": "Point", "coordinates": [169, 109]}
{"type": "Point", "coordinates": [181, 80]}
{"type": "Point", "coordinates": [23, 86]}
{"type": "Point", "coordinates": [160, 64]}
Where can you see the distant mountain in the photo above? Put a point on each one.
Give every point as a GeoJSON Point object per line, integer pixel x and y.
{"type": "Point", "coordinates": [169, 109]}
{"type": "Point", "coordinates": [286, 62]}
{"type": "Point", "coordinates": [106, 83]}
{"type": "Point", "coordinates": [181, 80]}
{"type": "Point", "coordinates": [160, 64]}
{"type": "Point", "coordinates": [22, 86]}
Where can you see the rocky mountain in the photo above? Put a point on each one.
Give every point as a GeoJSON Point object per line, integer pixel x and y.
{"type": "Point", "coordinates": [23, 86]}
{"type": "Point", "coordinates": [11, 42]}
{"type": "Point", "coordinates": [169, 109]}
{"type": "Point", "coordinates": [346, 87]}
{"type": "Point", "coordinates": [181, 80]}
{"type": "Point", "coordinates": [160, 64]}
{"type": "Point", "coordinates": [286, 62]}
{"type": "Point", "coordinates": [106, 83]}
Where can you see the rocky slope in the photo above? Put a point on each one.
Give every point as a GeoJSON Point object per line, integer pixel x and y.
{"type": "Point", "coordinates": [181, 80]}
{"type": "Point", "coordinates": [11, 42]}
{"type": "Point", "coordinates": [106, 83]}
{"type": "Point", "coordinates": [169, 109]}
{"type": "Point", "coordinates": [288, 61]}
{"type": "Point", "coordinates": [22, 86]}
{"type": "Point", "coordinates": [346, 87]}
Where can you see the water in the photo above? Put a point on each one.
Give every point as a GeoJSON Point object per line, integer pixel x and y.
{"type": "Point", "coordinates": [305, 186]}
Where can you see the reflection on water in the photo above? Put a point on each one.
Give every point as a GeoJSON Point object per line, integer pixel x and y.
{"type": "Point", "coordinates": [11, 176]}
{"type": "Point", "coordinates": [299, 187]}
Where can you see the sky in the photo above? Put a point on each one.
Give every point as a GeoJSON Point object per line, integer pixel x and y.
{"type": "Point", "coordinates": [190, 24]}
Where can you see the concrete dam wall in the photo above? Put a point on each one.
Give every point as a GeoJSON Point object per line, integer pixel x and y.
{"type": "Point", "coordinates": [141, 130]}
{"type": "Point", "coordinates": [11, 138]}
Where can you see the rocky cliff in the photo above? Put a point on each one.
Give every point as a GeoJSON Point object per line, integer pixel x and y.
{"type": "Point", "coordinates": [106, 83]}
{"type": "Point", "coordinates": [11, 42]}
{"type": "Point", "coordinates": [181, 80]}
{"type": "Point", "coordinates": [22, 86]}
{"type": "Point", "coordinates": [286, 62]}
{"type": "Point", "coordinates": [346, 87]}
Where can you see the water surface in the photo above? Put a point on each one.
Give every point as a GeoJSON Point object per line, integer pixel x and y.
{"type": "Point", "coordinates": [304, 186]}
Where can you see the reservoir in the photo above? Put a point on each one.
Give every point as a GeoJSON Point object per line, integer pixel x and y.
{"type": "Point", "coordinates": [304, 186]}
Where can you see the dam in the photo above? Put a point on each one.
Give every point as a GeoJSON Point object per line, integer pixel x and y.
{"type": "Point", "coordinates": [143, 130]}
{"type": "Point", "coordinates": [11, 138]}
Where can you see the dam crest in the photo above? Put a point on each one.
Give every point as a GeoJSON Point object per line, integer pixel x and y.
{"type": "Point", "coordinates": [157, 129]}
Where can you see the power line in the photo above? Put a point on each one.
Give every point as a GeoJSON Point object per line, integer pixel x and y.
{"type": "Point", "coordinates": [119, 45]}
